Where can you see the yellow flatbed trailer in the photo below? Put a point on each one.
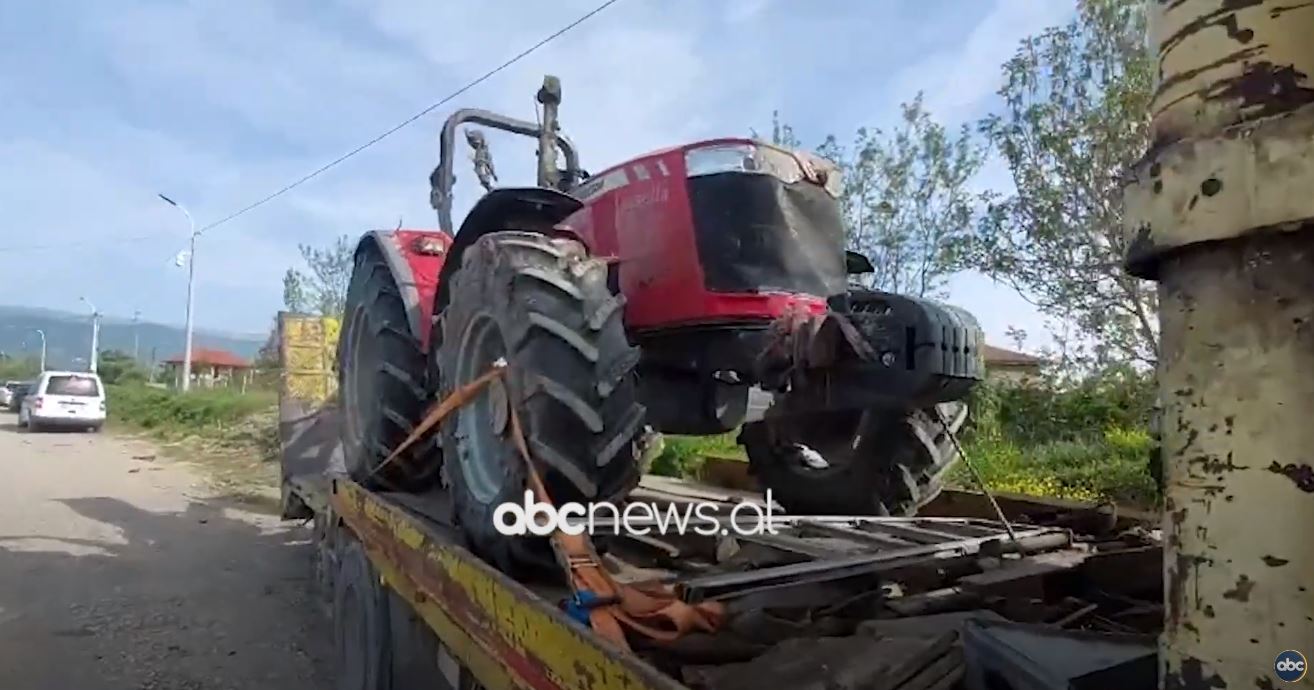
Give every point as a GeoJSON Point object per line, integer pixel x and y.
{"type": "Point", "coordinates": [412, 607]}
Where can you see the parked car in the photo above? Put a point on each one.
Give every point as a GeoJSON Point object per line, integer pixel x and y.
{"type": "Point", "coordinates": [16, 390]}
{"type": "Point", "coordinates": [7, 393]}
{"type": "Point", "coordinates": [70, 399]}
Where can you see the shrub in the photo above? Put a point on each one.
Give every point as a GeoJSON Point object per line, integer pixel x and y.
{"type": "Point", "coordinates": [681, 456]}
{"type": "Point", "coordinates": [170, 413]}
{"type": "Point", "coordinates": [1083, 440]}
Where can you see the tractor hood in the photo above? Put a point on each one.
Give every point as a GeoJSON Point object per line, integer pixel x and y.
{"type": "Point", "coordinates": [766, 220]}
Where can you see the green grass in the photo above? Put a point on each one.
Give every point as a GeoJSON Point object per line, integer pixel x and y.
{"type": "Point", "coordinates": [1113, 467]}
{"type": "Point", "coordinates": [231, 436]}
{"type": "Point", "coordinates": [681, 456]}
{"type": "Point", "coordinates": [221, 417]}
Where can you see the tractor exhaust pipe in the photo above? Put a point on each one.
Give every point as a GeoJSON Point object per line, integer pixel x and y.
{"type": "Point", "coordinates": [1221, 215]}
{"type": "Point", "coordinates": [443, 179]}
{"type": "Point", "coordinates": [549, 96]}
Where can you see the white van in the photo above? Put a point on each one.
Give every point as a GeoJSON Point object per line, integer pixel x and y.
{"type": "Point", "coordinates": [72, 399]}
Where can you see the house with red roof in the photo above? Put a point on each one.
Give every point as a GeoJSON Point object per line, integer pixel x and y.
{"type": "Point", "coordinates": [1009, 366]}
{"type": "Point", "coordinates": [210, 367]}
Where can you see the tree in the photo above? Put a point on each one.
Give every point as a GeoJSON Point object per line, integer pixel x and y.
{"type": "Point", "coordinates": [116, 366]}
{"type": "Point", "coordinates": [15, 368]}
{"type": "Point", "coordinates": [323, 289]}
{"type": "Point", "coordinates": [1075, 117]}
{"type": "Point", "coordinates": [905, 201]}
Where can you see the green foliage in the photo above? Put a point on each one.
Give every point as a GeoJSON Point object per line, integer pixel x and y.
{"type": "Point", "coordinates": [174, 414]}
{"type": "Point", "coordinates": [906, 202]}
{"type": "Point", "coordinates": [1083, 470]}
{"type": "Point", "coordinates": [681, 456]}
{"type": "Point", "coordinates": [116, 366]}
{"type": "Point", "coordinates": [323, 289]}
{"type": "Point", "coordinates": [1084, 440]}
{"type": "Point", "coordinates": [16, 369]}
{"type": "Point", "coordinates": [1075, 118]}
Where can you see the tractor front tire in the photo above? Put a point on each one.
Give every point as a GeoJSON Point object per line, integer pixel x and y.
{"type": "Point", "coordinates": [542, 305]}
{"type": "Point", "coordinates": [381, 378]}
{"type": "Point", "coordinates": [878, 462]}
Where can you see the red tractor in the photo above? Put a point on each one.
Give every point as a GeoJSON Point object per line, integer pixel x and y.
{"type": "Point", "coordinates": [680, 292]}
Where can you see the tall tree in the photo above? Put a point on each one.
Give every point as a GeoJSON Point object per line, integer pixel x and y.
{"type": "Point", "coordinates": [1075, 117]}
{"type": "Point", "coordinates": [322, 289]}
{"type": "Point", "coordinates": [906, 202]}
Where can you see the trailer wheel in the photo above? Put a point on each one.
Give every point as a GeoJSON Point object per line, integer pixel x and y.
{"type": "Point", "coordinates": [381, 374]}
{"type": "Point", "coordinates": [878, 462]}
{"type": "Point", "coordinates": [360, 621]}
{"type": "Point", "coordinates": [543, 305]}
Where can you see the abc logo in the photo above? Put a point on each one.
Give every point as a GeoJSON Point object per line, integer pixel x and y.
{"type": "Point", "coordinates": [1290, 666]}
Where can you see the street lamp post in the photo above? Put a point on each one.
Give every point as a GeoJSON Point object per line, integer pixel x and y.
{"type": "Point", "coordinates": [191, 279]}
{"type": "Point", "coordinates": [136, 334]}
{"type": "Point", "coordinates": [43, 347]}
{"type": "Point", "coordinates": [95, 336]}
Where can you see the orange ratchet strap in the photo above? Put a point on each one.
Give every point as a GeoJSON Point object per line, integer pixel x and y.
{"type": "Point", "coordinates": [649, 609]}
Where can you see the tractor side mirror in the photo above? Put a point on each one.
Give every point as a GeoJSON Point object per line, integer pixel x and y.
{"type": "Point", "coordinates": [856, 264]}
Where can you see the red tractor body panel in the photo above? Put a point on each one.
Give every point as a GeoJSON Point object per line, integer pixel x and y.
{"type": "Point", "coordinates": [415, 258]}
{"type": "Point", "coordinates": [639, 214]}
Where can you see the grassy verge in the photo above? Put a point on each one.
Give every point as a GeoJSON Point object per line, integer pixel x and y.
{"type": "Point", "coordinates": [1113, 467]}
{"type": "Point", "coordinates": [1084, 441]}
{"type": "Point", "coordinates": [232, 436]}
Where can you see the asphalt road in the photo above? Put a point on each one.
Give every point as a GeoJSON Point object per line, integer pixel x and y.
{"type": "Point", "coordinates": [117, 571]}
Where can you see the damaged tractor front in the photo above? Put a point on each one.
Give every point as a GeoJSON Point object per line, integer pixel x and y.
{"type": "Point", "coordinates": [867, 397]}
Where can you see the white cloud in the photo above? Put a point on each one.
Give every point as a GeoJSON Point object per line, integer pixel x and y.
{"type": "Point", "coordinates": [960, 78]}
{"type": "Point", "coordinates": [219, 104]}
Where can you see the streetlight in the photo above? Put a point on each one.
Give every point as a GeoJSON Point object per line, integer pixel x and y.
{"type": "Point", "coordinates": [95, 335]}
{"type": "Point", "coordinates": [43, 347]}
{"type": "Point", "coordinates": [191, 277]}
{"type": "Point", "coordinates": [136, 333]}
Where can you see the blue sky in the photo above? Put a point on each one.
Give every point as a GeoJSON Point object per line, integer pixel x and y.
{"type": "Point", "coordinates": [219, 103]}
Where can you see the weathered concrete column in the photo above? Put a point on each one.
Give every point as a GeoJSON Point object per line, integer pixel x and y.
{"type": "Point", "coordinates": [1221, 214]}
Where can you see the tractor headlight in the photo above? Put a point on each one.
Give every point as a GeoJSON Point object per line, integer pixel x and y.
{"type": "Point", "coordinates": [721, 158]}
{"type": "Point", "coordinates": [787, 166]}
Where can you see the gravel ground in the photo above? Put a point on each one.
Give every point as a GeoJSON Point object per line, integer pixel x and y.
{"type": "Point", "coordinates": [120, 570]}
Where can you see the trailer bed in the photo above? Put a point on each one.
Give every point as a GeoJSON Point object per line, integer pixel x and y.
{"type": "Point", "coordinates": [822, 603]}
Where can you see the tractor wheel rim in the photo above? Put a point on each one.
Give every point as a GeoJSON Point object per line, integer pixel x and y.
{"type": "Point", "coordinates": [481, 448]}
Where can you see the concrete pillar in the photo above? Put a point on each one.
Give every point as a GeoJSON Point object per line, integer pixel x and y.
{"type": "Point", "coordinates": [1221, 214]}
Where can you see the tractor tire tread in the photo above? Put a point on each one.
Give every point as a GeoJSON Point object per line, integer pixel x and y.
{"type": "Point", "coordinates": [391, 359]}
{"type": "Point", "coordinates": [898, 466]}
{"type": "Point", "coordinates": [573, 385]}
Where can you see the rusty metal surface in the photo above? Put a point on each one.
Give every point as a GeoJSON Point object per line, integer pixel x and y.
{"type": "Point", "coordinates": [1238, 352]}
{"type": "Point", "coordinates": [1254, 178]}
{"type": "Point", "coordinates": [507, 635]}
{"type": "Point", "coordinates": [307, 352]}
{"type": "Point", "coordinates": [307, 411]}
{"type": "Point", "coordinates": [1220, 213]}
{"type": "Point", "coordinates": [1222, 62]}
{"type": "Point", "coordinates": [1232, 119]}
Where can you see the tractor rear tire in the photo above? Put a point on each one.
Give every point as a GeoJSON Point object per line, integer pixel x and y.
{"type": "Point", "coordinates": [543, 305]}
{"type": "Point", "coordinates": [881, 462]}
{"type": "Point", "coordinates": [381, 383]}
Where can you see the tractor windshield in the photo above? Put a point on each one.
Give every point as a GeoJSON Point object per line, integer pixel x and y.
{"type": "Point", "coordinates": [766, 220]}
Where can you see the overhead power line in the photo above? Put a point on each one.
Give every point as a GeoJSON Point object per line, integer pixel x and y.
{"type": "Point", "coordinates": [353, 152]}
{"type": "Point", "coordinates": [446, 99]}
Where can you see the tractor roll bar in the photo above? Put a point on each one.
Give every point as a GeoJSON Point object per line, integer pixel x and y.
{"type": "Point", "coordinates": [443, 178]}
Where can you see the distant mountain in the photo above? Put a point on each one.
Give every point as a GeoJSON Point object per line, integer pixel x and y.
{"type": "Point", "coordinates": [68, 337]}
